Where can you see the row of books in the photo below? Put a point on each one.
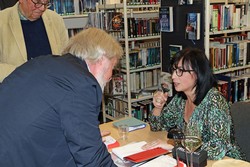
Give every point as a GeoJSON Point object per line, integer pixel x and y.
{"type": "Point", "coordinates": [138, 81]}
{"type": "Point", "coordinates": [118, 108]}
{"type": "Point", "coordinates": [140, 27]}
{"type": "Point", "coordinates": [229, 16]}
{"type": "Point", "coordinates": [143, 80]}
{"type": "Point", "coordinates": [145, 44]}
{"type": "Point", "coordinates": [70, 7]}
{"type": "Point", "coordinates": [142, 58]}
{"type": "Point", "coordinates": [230, 38]}
{"type": "Point", "coordinates": [108, 20]}
{"type": "Point", "coordinates": [142, 83]}
{"type": "Point", "coordinates": [143, 2]}
{"type": "Point", "coordinates": [141, 110]}
{"type": "Point", "coordinates": [231, 54]}
{"type": "Point", "coordinates": [63, 7]}
{"type": "Point", "coordinates": [113, 21]}
{"type": "Point", "coordinates": [131, 2]}
{"type": "Point", "coordinates": [239, 89]}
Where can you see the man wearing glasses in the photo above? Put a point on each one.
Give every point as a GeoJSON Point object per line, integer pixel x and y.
{"type": "Point", "coordinates": [28, 30]}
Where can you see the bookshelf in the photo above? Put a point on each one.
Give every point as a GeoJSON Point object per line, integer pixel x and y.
{"type": "Point", "coordinates": [234, 33]}
{"type": "Point", "coordinates": [73, 12]}
{"type": "Point", "coordinates": [75, 23]}
{"type": "Point", "coordinates": [141, 46]}
{"type": "Point", "coordinates": [140, 67]}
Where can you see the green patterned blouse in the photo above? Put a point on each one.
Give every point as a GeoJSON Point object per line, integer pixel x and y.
{"type": "Point", "coordinates": [214, 120]}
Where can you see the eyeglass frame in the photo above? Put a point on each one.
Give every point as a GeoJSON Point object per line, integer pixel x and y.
{"type": "Point", "coordinates": [39, 4]}
{"type": "Point", "coordinates": [181, 71]}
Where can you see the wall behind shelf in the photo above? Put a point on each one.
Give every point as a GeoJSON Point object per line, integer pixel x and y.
{"type": "Point", "coordinates": [177, 37]}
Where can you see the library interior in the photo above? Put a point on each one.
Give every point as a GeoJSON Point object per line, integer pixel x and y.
{"type": "Point", "coordinates": [179, 94]}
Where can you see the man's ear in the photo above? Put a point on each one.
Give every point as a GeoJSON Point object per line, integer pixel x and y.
{"type": "Point", "coordinates": [100, 60]}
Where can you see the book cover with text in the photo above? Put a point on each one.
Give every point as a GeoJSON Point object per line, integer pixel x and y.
{"type": "Point", "coordinates": [166, 19]}
{"type": "Point", "coordinates": [193, 26]}
{"type": "Point", "coordinates": [173, 49]}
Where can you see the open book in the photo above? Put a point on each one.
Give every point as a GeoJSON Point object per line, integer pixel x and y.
{"type": "Point", "coordinates": [163, 161]}
{"type": "Point", "coordinates": [132, 123]}
{"type": "Point", "coordinates": [110, 142]}
{"type": "Point", "coordinates": [134, 153]}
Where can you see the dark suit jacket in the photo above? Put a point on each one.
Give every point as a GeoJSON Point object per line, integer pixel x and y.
{"type": "Point", "coordinates": [49, 111]}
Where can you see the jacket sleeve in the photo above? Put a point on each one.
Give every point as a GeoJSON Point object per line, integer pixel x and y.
{"type": "Point", "coordinates": [81, 127]}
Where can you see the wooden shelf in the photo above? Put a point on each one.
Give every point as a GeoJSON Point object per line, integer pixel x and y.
{"type": "Point", "coordinates": [141, 38]}
{"type": "Point", "coordinates": [143, 69]}
{"type": "Point", "coordinates": [231, 69]}
{"type": "Point", "coordinates": [75, 21]}
{"type": "Point", "coordinates": [230, 31]}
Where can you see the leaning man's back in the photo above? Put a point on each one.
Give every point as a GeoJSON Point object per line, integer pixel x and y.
{"type": "Point", "coordinates": [43, 113]}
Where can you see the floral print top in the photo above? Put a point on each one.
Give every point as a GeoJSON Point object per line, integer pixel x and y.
{"type": "Point", "coordinates": [213, 118]}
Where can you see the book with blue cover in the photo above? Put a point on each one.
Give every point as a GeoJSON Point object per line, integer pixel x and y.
{"type": "Point", "coordinates": [193, 26]}
{"type": "Point", "coordinates": [132, 123]}
{"type": "Point", "coordinates": [166, 19]}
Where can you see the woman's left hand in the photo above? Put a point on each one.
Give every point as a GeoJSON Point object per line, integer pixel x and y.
{"type": "Point", "coordinates": [158, 143]}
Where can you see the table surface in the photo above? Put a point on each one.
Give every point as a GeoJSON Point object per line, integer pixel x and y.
{"type": "Point", "coordinates": [144, 134]}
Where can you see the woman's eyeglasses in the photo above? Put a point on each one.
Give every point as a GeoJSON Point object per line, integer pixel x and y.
{"type": "Point", "coordinates": [38, 4]}
{"type": "Point", "coordinates": [179, 71]}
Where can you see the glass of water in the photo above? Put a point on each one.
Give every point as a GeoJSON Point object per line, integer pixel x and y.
{"type": "Point", "coordinates": [123, 131]}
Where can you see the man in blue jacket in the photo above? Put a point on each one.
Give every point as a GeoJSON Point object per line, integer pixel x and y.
{"type": "Point", "coordinates": [49, 106]}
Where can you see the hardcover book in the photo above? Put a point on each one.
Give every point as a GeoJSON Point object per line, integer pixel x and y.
{"type": "Point", "coordinates": [117, 21]}
{"type": "Point", "coordinates": [193, 26]}
{"type": "Point", "coordinates": [166, 19]}
{"type": "Point", "coordinates": [117, 83]}
{"type": "Point", "coordinates": [110, 142]}
{"type": "Point", "coordinates": [134, 152]}
{"type": "Point", "coordinates": [173, 49]}
{"type": "Point", "coordinates": [185, 2]}
{"type": "Point", "coordinates": [132, 123]}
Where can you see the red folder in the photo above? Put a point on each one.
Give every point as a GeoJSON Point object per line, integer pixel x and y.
{"type": "Point", "coordinates": [146, 155]}
{"type": "Point", "coordinates": [113, 145]}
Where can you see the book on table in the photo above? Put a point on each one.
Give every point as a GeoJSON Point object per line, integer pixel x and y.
{"type": "Point", "coordinates": [110, 142]}
{"type": "Point", "coordinates": [133, 152]}
{"type": "Point", "coordinates": [132, 123]}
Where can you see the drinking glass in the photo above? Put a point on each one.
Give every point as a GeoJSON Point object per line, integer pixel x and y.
{"type": "Point", "coordinates": [192, 140]}
{"type": "Point", "coordinates": [123, 131]}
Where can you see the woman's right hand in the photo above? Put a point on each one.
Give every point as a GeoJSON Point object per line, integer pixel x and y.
{"type": "Point", "coordinates": [159, 99]}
